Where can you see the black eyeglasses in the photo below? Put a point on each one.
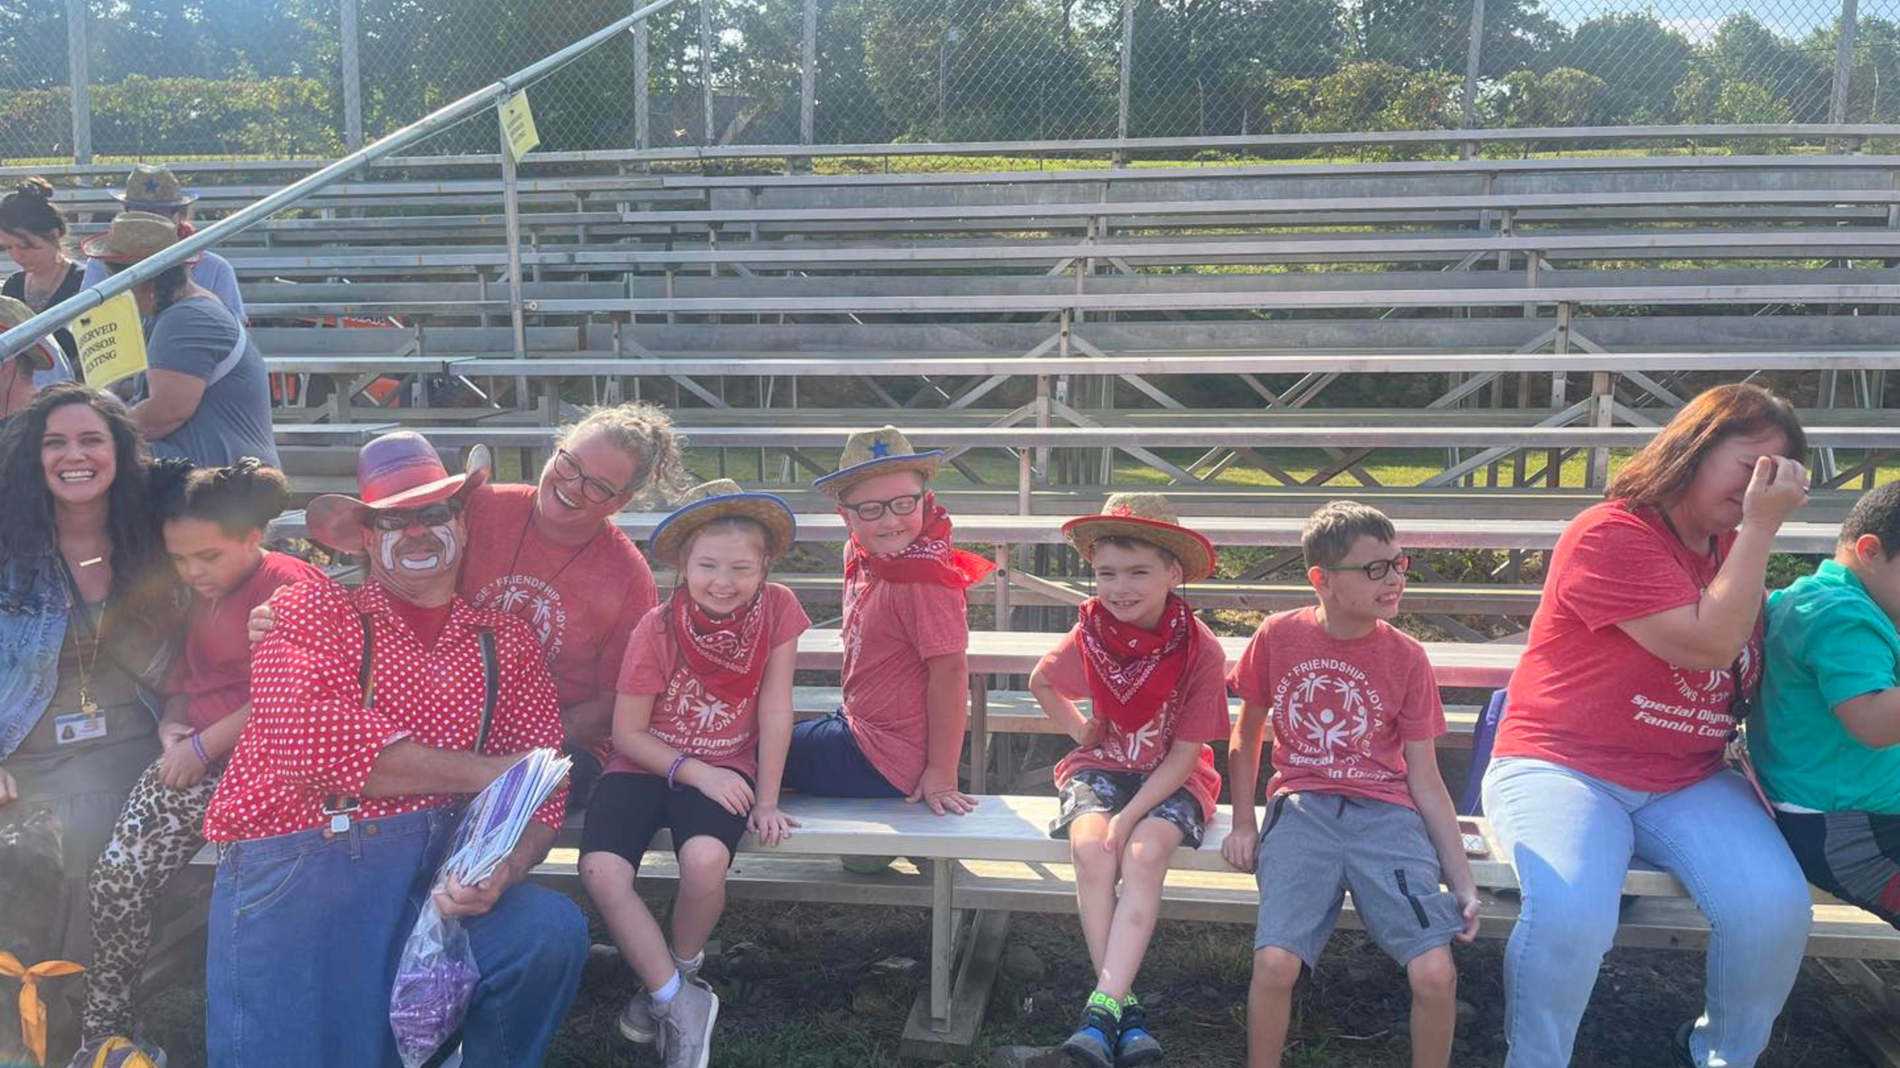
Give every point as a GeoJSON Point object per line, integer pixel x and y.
{"type": "Point", "coordinates": [568, 469]}
{"type": "Point", "coordinates": [1378, 569]}
{"type": "Point", "coordinates": [434, 515]}
{"type": "Point", "coordinates": [871, 511]}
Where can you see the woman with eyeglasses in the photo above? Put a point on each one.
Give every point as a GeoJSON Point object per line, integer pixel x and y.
{"type": "Point", "coordinates": [550, 554]}
{"type": "Point", "coordinates": [1640, 665]}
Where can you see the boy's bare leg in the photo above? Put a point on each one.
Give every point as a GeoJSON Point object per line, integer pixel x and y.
{"type": "Point", "coordinates": [1096, 872]}
{"type": "Point", "coordinates": [702, 896]}
{"type": "Point", "coordinates": [1144, 865]}
{"type": "Point", "coordinates": [1270, 1004]}
{"type": "Point", "coordinates": [609, 882]}
{"type": "Point", "coordinates": [1434, 978]}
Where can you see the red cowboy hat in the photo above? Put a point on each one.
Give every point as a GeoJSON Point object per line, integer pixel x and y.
{"type": "Point", "coordinates": [396, 471]}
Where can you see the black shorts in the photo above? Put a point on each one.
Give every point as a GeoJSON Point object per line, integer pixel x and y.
{"type": "Point", "coordinates": [629, 808]}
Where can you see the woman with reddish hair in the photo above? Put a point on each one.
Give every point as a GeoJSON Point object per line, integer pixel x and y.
{"type": "Point", "coordinates": [1642, 660]}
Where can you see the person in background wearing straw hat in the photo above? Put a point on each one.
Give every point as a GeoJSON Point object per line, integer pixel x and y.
{"type": "Point", "coordinates": [1141, 780]}
{"type": "Point", "coordinates": [1357, 800]}
{"type": "Point", "coordinates": [701, 729]}
{"type": "Point", "coordinates": [206, 396]}
{"type": "Point", "coordinates": [152, 188]}
{"type": "Point", "coordinates": [33, 368]}
{"type": "Point", "coordinates": [375, 714]}
{"type": "Point", "coordinates": [906, 636]}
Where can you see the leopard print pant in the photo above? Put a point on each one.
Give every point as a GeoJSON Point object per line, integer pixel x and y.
{"type": "Point", "coordinates": [159, 831]}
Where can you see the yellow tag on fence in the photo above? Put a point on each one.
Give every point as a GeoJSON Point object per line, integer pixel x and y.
{"type": "Point", "coordinates": [111, 342]}
{"type": "Point", "coordinates": [517, 125]}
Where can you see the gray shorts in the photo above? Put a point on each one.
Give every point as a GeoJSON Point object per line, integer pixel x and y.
{"type": "Point", "coordinates": [1317, 846]}
{"type": "Point", "coordinates": [1108, 792]}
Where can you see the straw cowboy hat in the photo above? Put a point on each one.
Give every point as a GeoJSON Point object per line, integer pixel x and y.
{"type": "Point", "coordinates": [153, 185]}
{"type": "Point", "coordinates": [38, 354]}
{"type": "Point", "coordinates": [718, 499]}
{"type": "Point", "coordinates": [396, 471]}
{"type": "Point", "coordinates": [133, 236]}
{"type": "Point", "coordinates": [876, 452]}
{"type": "Point", "coordinates": [1148, 517]}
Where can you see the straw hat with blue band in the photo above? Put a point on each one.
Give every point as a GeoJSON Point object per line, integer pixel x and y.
{"type": "Point", "coordinates": [720, 499]}
{"type": "Point", "coordinates": [153, 186]}
{"type": "Point", "coordinates": [1148, 517]}
{"type": "Point", "coordinates": [877, 452]}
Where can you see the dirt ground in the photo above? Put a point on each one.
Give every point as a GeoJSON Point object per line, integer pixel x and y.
{"type": "Point", "coordinates": [818, 986]}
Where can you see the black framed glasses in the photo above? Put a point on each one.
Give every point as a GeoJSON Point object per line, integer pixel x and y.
{"type": "Point", "coordinates": [1377, 570]}
{"type": "Point", "coordinates": [871, 511]}
{"type": "Point", "coordinates": [434, 515]}
{"type": "Point", "coordinates": [567, 467]}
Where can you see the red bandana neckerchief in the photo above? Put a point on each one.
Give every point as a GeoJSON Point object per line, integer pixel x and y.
{"type": "Point", "coordinates": [930, 558]}
{"type": "Point", "coordinates": [1132, 671]}
{"type": "Point", "coordinates": [725, 655]}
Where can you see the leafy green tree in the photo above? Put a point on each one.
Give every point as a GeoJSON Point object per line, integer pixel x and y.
{"type": "Point", "coordinates": [1638, 59]}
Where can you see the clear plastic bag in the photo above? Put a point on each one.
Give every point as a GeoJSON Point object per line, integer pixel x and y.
{"type": "Point", "coordinates": [435, 979]}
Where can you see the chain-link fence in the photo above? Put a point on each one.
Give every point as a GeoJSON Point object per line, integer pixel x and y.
{"type": "Point", "coordinates": [287, 78]}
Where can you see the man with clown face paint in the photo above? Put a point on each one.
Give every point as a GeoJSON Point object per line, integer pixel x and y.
{"type": "Point", "coordinates": [376, 713]}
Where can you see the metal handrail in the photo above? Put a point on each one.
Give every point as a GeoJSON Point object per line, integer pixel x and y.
{"type": "Point", "coordinates": [489, 95]}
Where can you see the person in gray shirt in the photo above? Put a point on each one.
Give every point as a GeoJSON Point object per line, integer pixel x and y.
{"type": "Point", "coordinates": [207, 395]}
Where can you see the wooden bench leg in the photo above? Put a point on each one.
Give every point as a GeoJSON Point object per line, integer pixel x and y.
{"type": "Point", "coordinates": [945, 1020]}
{"type": "Point", "coordinates": [1865, 1008]}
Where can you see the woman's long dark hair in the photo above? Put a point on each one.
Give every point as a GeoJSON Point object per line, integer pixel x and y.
{"type": "Point", "coordinates": [140, 572]}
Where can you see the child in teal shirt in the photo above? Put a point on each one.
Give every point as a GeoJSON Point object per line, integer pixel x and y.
{"type": "Point", "coordinates": [1826, 735]}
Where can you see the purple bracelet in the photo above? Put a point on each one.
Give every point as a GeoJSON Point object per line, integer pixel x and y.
{"type": "Point", "coordinates": [198, 747]}
{"type": "Point", "coordinates": [672, 771]}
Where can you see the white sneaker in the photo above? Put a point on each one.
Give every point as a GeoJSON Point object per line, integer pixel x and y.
{"type": "Point", "coordinates": [684, 1026]}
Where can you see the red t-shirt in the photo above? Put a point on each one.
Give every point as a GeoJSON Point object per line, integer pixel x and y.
{"type": "Point", "coordinates": [214, 675]}
{"type": "Point", "coordinates": [1342, 710]}
{"type": "Point", "coordinates": [1195, 712]}
{"type": "Point", "coordinates": [1586, 695]}
{"type": "Point", "coordinates": [686, 715]}
{"type": "Point", "coordinates": [581, 601]}
{"type": "Point", "coordinates": [889, 630]}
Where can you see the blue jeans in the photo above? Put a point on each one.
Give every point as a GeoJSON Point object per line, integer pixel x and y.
{"type": "Point", "coordinates": [305, 933]}
{"type": "Point", "coordinates": [1571, 838]}
{"type": "Point", "coordinates": [825, 761]}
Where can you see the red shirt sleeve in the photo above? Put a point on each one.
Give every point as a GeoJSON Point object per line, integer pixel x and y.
{"type": "Point", "coordinates": [645, 667]}
{"type": "Point", "coordinates": [641, 597]}
{"type": "Point", "coordinates": [1062, 666]}
{"type": "Point", "coordinates": [527, 713]}
{"type": "Point", "coordinates": [1621, 568]}
{"type": "Point", "coordinates": [307, 711]}
{"type": "Point", "coordinates": [1249, 677]}
{"type": "Point", "coordinates": [1204, 716]}
{"type": "Point", "coordinates": [1423, 714]}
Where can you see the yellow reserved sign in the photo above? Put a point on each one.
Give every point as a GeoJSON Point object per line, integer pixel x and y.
{"type": "Point", "coordinates": [111, 342]}
{"type": "Point", "coordinates": [517, 125]}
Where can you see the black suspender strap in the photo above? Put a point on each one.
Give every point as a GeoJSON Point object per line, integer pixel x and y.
{"type": "Point", "coordinates": [491, 685]}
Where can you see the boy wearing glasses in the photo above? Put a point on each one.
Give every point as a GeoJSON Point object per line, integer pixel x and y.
{"type": "Point", "coordinates": [906, 636]}
{"type": "Point", "coordinates": [1357, 803]}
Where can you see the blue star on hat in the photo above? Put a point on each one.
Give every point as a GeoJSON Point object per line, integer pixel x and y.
{"type": "Point", "coordinates": [880, 449]}
{"type": "Point", "coordinates": [151, 185]}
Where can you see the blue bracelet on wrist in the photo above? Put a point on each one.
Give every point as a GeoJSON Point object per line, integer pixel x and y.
{"type": "Point", "coordinates": [674, 770]}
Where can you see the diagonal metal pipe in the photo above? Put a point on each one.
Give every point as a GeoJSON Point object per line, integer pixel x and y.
{"type": "Point", "coordinates": [489, 95]}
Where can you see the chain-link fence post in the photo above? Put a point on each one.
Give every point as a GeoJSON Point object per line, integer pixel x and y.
{"type": "Point", "coordinates": [1127, 76]}
{"type": "Point", "coordinates": [351, 47]}
{"type": "Point", "coordinates": [80, 78]}
{"type": "Point", "coordinates": [706, 71]}
{"type": "Point", "coordinates": [1469, 113]}
{"type": "Point", "coordinates": [808, 74]}
{"type": "Point", "coordinates": [642, 96]}
{"type": "Point", "coordinates": [1843, 61]}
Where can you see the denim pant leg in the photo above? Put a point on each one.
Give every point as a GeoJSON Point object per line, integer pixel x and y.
{"type": "Point", "coordinates": [1715, 837]}
{"type": "Point", "coordinates": [825, 761]}
{"type": "Point", "coordinates": [1571, 839]}
{"type": "Point", "coordinates": [530, 949]}
{"type": "Point", "coordinates": [303, 940]}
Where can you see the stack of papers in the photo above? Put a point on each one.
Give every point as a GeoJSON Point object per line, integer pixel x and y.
{"type": "Point", "coordinates": [498, 815]}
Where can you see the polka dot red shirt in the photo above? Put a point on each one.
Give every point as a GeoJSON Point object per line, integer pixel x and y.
{"type": "Point", "coordinates": [310, 737]}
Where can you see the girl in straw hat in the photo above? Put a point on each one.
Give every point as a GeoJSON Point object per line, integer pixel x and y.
{"type": "Point", "coordinates": [701, 728]}
{"type": "Point", "coordinates": [1141, 780]}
